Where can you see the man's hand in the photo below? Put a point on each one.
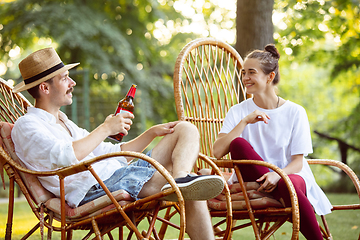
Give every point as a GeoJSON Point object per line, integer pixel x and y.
{"type": "Point", "coordinates": [139, 143]}
{"type": "Point", "coordinates": [112, 125]}
{"type": "Point", "coordinates": [270, 179]}
{"type": "Point", "coordinates": [119, 124]}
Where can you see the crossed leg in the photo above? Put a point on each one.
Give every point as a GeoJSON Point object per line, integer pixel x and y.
{"type": "Point", "coordinates": [177, 152]}
{"type": "Point", "coordinates": [241, 149]}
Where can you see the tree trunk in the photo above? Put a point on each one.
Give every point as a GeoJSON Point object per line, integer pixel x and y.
{"type": "Point", "coordinates": [254, 26]}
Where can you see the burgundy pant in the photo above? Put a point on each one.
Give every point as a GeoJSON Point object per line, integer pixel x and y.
{"type": "Point", "coordinates": [309, 227]}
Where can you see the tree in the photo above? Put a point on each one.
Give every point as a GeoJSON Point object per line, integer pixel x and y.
{"type": "Point", "coordinates": [328, 36]}
{"type": "Point", "coordinates": [254, 27]}
{"type": "Point", "coordinates": [324, 34]}
{"type": "Point", "coordinates": [122, 42]}
{"type": "Point", "coordinates": [113, 40]}
{"type": "Point", "coordinates": [318, 44]}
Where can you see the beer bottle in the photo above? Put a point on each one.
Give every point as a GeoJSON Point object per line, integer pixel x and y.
{"type": "Point", "coordinates": [125, 104]}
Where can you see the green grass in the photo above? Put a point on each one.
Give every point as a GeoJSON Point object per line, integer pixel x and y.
{"type": "Point", "coordinates": [343, 224]}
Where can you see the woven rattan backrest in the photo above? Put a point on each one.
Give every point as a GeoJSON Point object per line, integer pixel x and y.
{"type": "Point", "coordinates": [12, 105]}
{"type": "Point", "coordinates": [206, 84]}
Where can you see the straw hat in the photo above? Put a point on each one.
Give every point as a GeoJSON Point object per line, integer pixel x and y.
{"type": "Point", "coordinates": [39, 67]}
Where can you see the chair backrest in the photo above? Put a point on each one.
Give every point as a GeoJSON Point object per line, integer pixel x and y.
{"type": "Point", "coordinates": [207, 82]}
{"type": "Point", "coordinates": [13, 106]}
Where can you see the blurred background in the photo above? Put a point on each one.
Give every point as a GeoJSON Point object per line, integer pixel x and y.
{"type": "Point", "coordinates": [123, 42]}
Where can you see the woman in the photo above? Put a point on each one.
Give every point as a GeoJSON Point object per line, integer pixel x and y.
{"type": "Point", "coordinates": [269, 128]}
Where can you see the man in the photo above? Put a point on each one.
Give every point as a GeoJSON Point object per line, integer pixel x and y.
{"type": "Point", "coordinates": [46, 139]}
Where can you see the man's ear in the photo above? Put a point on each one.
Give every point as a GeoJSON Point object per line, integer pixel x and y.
{"type": "Point", "coordinates": [44, 87]}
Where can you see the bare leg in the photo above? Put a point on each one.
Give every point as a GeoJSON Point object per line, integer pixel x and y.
{"type": "Point", "coordinates": [177, 152]}
{"type": "Point", "coordinates": [198, 221]}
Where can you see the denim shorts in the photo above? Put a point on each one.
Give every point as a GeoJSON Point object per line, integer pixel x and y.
{"type": "Point", "coordinates": [130, 178]}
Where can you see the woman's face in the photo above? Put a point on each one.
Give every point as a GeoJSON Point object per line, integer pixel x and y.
{"type": "Point", "coordinates": [253, 78]}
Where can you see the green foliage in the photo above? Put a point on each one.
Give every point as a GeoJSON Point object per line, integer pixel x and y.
{"type": "Point", "coordinates": [115, 41]}
{"type": "Point", "coordinates": [321, 38]}
{"type": "Point", "coordinates": [112, 39]}
{"type": "Point", "coordinates": [324, 32]}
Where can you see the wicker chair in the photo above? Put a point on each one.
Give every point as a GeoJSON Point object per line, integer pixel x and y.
{"type": "Point", "coordinates": [101, 216]}
{"type": "Point", "coordinates": [206, 84]}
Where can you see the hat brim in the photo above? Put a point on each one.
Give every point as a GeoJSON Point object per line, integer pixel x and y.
{"type": "Point", "coordinates": [22, 86]}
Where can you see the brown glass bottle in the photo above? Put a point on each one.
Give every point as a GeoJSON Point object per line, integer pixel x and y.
{"type": "Point", "coordinates": [125, 104]}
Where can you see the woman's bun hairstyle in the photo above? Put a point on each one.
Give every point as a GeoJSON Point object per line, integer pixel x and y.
{"type": "Point", "coordinates": [272, 49]}
{"type": "Point", "coordinates": [269, 60]}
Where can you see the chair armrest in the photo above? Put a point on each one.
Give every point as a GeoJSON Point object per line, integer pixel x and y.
{"type": "Point", "coordinates": [7, 159]}
{"type": "Point", "coordinates": [61, 172]}
{"type": "Point", "coordinates": [349, 172]}
{"type": "Point", "coordinates": [86, 165]}
{"type": "Point", "coordinates": [226, 191]}
{"type": "Point", "coordinates": [226, 163]}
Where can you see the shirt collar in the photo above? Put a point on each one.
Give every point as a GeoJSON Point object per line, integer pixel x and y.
{"type": "Point", "coordinates": [46, 116]}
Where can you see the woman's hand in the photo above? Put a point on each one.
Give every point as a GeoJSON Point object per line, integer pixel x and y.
{"type": "Point", "coordinates": [270, 181]}
{"type": "Point", "coordinates": [223, 141]}
{"type": "Point", "coordinates": [256, 116]}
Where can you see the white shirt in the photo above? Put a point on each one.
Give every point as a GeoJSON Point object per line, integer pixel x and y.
{"type": "Point", "coordinates": [44, 145]}
{"type": "Point", "coordinates": [286, 134]}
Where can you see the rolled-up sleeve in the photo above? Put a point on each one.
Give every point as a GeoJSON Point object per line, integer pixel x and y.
{"type": "Point", "coordinates": [107, 147]}
{"type": "Point", "coordinates": [44, 145]}
{"type": "Point", "coordinates": [62, 154]}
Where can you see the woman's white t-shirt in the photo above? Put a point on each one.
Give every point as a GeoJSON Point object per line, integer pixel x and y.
{"type": "Point", "coordinates": [287, 133]}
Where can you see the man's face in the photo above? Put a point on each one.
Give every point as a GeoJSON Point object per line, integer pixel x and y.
{"type": "Point", "coordinates": [61, 89]}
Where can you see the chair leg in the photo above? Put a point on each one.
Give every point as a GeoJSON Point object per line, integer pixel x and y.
{"type": "Point", "coordinates": [31, 231]}
{"type": "Point", "coordinates": [152, 222]}
{"type": "Point", "coordinates": [87, 236]}
{"type": "Point", "coordinates": [62, 205]}
{"type": "Point", "coordinates": [110, 236]}
{"type": "Point", "coordinates": [42, 221]}
{"type": "Point", "coordinates": [326, 233]}
{"type": "Point", "coordinates": [10, 210]}
{"type": "Point", "coordinates": [248, 205]}
{"type": "Point", "coordinates": [232, 232]}
{"type": "Point", "coordinates": [69, 235]}
{"type": "Point", "coordinates": [50, 230]}
{"type": "Point", "coordinates": [96, 229]}
{"type": "Point", "coordinates": [164, 225]}
{"type": "Point", "coordinates": [144, 233]}
{"type": "Point", "coordinates": [121, 233]}
{"type": "Point", "coordinates": [133, 220]}
{"type": "Point", "coordinates": [223, 234]}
